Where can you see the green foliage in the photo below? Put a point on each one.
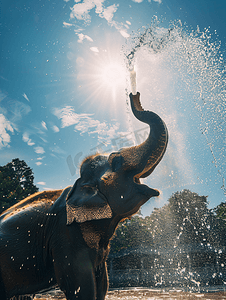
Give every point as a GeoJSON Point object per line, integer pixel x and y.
{"type": "Point", "coordinates": [220, 212]}
{"type": "Point", "coordinates": [162, 229]}
{"type": "Point", "coordinates": [16, 183]}
{"type": "Point", "coordinates": [184, 220]}
{"type": "Point", "coordinates": [132, 234]}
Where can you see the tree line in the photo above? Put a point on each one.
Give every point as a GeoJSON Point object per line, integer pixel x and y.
{"type": "Point", "coordinates": [185, 219]}
{"type": "Point", "coordinates": [16, 183]}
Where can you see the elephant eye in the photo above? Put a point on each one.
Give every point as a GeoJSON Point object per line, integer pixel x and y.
{"type": "Point", "coordinates": [88, 188]}
{"type": "Point", "coordinates": [117, 162]}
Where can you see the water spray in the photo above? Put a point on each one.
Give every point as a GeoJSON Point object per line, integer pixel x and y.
{"type": "Point", "coordinates": [187, 54]}
{"type": "Point", "coordinates": [133, 81]}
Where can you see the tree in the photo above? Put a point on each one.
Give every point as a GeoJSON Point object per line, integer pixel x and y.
{"type": "Point", "coordinates": [132, 234]}
{"type": "Point", "coordinates": [194, 222]}
{"type": "Point", "coordinates": [16, 183]}
{"type": "Point", "coordinates": [162, 227]}
{"type": "Point", "coordinates": [220, 212]}
{"type": "Point", "coordinates": [186, 219]}
{"type": "Point", "coordinates": [190, 216]}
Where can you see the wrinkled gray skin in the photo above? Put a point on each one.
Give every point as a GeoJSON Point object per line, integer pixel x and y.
{"type": "Point", "coordinates": [62, 237]}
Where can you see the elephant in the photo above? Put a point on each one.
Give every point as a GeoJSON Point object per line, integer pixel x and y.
{"type": "Point", "coordinates": [62, 237]}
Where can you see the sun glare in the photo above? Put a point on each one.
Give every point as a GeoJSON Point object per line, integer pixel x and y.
{"type": "Point", "coordinates": [112, 75]}
{"type": "Point", "coordinates": [104, 75]}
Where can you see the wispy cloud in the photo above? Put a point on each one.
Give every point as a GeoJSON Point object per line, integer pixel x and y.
{"type": "Point", "coordinates": [5, 126]}
{"type": "Point", "coordinates": [40, 158]}
{"type": "Point", "coordinates": [57, 150]}
{"type": "Point", "coordinates": [16, 110]}
{"type": "Point", "coordinates": [44, 125]}
{"type": "Point", "coordinates": [26, 97]}
{"type": "Point", "coordinates": [2, 95]}
{"type": "Point", "coordinates": [108, 12]}
{"type": "Point", "coordinates": [68, 116]}
{"type": "Point", "coordinates": [124, 33]}
{"type": "Point", "coordinates": [81, 11]}
{"type": "Point", "coordinates": [55, 128]}
{"type": "Point", "coordinates": [159, 1]}
{"type": "Point", "coordinates": [67, 25]}
{"type": "Point", "coordinates": [38, 162]}
{"type": "Point", "coordinates": [83, 37]}
{"type": "Point", "coordinates": [41, 183]}
{"type": "Point", "coordinates": [27, 140]}
{"type": "Point", "coordinates": [11, 113]}
{"type": "Point", "coordinates": [39, 150]}
{"type": "Point", "coordinates": [84, 123]}
{"type": "Point", "coordinates": [94, 49]}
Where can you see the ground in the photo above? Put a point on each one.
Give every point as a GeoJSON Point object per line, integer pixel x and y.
{"type": "Point", "coordinates": [146, 294]}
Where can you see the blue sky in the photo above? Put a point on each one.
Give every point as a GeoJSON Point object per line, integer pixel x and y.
{"type": "Point", "coordinates": [64, 86]}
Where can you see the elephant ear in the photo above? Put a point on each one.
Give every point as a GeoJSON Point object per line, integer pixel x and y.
{"type": "Point", "coordinates": [85, 203]}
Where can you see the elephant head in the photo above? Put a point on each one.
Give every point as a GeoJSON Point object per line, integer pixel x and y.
{"type": "Point", "coordinates": [110, 185]}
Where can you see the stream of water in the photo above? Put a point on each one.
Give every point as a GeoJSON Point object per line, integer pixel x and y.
{"type": "Point", "coordinates": [181, 71]}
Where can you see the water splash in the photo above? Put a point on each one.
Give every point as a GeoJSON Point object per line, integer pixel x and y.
{"type": "Point", "coordinates": [154, 39]}
{"type": "Point", "coordinates": [194, 61]}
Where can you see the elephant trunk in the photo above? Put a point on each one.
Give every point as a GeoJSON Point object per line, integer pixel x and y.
{"type": "Point", "coordinates": [141, 160]}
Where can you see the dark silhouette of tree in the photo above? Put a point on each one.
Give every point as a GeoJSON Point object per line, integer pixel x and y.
{"type": "Point", "coordinates": [132, 234]}
{"type": "Point", "coordinates": [16, 183]}
{"type": "Point", "coordinates": [161, 226]}
{"type": "Point", "coordinates": [190, 215]}
{"type": "Point", "coordinates": [220, 212]}
{"type": "Point", "coordinates": [185, 220]}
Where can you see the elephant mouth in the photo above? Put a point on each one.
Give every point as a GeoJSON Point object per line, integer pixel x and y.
{"type": "Point", "coordinates": [145, 190]}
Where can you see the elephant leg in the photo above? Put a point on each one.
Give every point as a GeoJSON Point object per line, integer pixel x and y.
{"type": "Point", "coordinates": [2, 295]}
{"type": "Point", "coordinates": [2, 290]}
{"type": "Point", "coordinates": [101, 281]}
{"type": "Point", "coordinates": [75, 289]}
{"type": "Point", "coordinates": [78, 281]}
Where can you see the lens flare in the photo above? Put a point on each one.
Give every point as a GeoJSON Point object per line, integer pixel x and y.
{"type": "Point", "coordinates": [111, 77]}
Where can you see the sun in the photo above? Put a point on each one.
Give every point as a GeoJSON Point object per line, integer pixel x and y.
{"type": "Point", "coordinates": [109, 76]}
{"type": "Point", "coordinates": [112, 75]}
{"type": "Point", "coordinates": [103, 75]}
